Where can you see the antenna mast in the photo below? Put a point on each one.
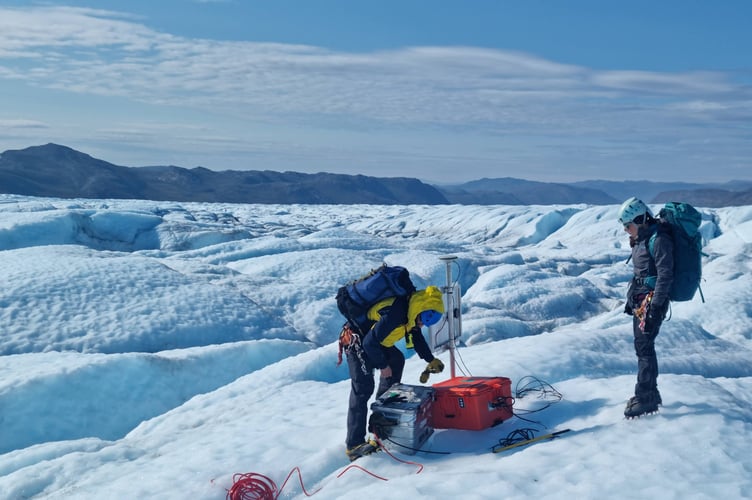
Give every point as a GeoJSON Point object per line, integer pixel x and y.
{"type": "Point", "coordinates": [453, 319]}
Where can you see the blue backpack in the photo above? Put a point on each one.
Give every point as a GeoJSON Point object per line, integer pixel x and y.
{"type": "Point", "coordinates": [357, 297]}
{"type": "Point", "coordinates": [684, 221]}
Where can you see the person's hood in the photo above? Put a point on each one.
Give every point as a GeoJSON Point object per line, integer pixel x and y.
{"type": "Point", "coordinates": [424, 300]}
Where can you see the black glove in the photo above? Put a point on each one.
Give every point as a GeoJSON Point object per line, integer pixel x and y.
{"type": "Point", "coordinates": [660, 310]}
{"type": "Point", "coordinates": [654, 317]}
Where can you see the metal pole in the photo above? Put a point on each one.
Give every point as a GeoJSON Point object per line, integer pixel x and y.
{"type": "Point", "coordinates": [451, 309]}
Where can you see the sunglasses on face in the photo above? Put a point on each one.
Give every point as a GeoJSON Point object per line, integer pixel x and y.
{"type": "Point", "coordinates": [637, 220]}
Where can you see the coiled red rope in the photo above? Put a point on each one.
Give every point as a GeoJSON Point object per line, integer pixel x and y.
{"type": "Point", "coordinates": [252, 486]}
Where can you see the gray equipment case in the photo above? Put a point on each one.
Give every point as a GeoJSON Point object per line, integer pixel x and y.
{"type": "Point", "coordinates": [406, 410]}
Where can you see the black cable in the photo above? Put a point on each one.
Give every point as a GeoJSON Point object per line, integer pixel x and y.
{"type": "Point", "coordinates": [534, 384]}
{"type": "Point", "coordinates": [416, 449]}
{"type": "Point", "coordinates": [381, 430]}
{"type": "Point", "coordinates": [528, 385]}
{"type": "Point", "coordinates": [516, 436]}
{"type": "Point", "coordinates": [464, 369]}
{"type": "Point", "coordinates": [459, 272]}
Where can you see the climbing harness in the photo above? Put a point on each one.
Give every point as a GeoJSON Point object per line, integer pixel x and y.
{"type": "Point", "coordinates": [351, 341]}
{"type": "Point", "coordinates": [642, 312]}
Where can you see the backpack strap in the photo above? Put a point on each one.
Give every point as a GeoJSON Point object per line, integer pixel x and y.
{"type": "Point", "coordinates": [662, 226]}
{"type": "Point", "coordinates": [650, 281]}
{"type": "Point", "coordinates": [651, 245]}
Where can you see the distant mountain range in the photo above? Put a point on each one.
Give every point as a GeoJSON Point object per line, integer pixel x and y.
{"type": "Point", "coordinates": [58, 171]}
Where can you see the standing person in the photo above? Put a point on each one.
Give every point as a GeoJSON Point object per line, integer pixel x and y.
{"type": "Point", "coordinates": [647, 297]}
{"type": "Point", "coordinates": [394, 318]}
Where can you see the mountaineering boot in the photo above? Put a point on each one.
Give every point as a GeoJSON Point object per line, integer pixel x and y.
{"type": "Point", "coordinates": [362, 450]}
{"type": "Point", "coordinates": [655, 395]}
{"type": "Point", "coordinates": [638, 406]}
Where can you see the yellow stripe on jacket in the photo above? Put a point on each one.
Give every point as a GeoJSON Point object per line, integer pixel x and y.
{"type": "Point", "coordinates": [421, 300]}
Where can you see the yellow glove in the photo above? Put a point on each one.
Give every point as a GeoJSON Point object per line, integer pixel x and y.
{"type": "Point", "coordinates": [435, 366]}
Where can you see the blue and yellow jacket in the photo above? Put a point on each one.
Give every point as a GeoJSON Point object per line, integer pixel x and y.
{"type": "Point", "coordinates": [395, 318]}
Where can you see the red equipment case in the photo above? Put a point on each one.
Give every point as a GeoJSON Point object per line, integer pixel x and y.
{"type": "Point", "coordinates": [472, 403]}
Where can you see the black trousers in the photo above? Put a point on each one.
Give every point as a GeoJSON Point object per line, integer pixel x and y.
{"type": "Point", "coordinates": [362, 384]}
{"type": "Point", "coordinates": [647, 361]}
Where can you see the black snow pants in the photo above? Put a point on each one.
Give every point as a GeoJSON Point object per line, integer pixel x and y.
{"type": "Point", "coordinates": [647, 361]}
{"type": "Point", "coordinates": [361, 388]}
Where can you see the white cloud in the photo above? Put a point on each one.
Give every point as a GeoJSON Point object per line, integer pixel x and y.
{"type": "Point", "coordinates": [665, 83]}
{"type": "Point", "coordinates": [104, 53]}
{"type": "Point", "coordinates": [524, 103]}
{"type": "Point", "coordinates": [21, 124]}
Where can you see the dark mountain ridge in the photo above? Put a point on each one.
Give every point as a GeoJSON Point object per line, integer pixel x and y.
{"type": "Point", "coordinates": [58, 171]}
{"type": "Point", "coordinates": [523, 192]}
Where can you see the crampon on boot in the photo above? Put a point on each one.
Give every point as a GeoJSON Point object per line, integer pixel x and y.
{"type": "Point", "coordinates": [639, 406]}
{"type": "Point", "coordinates": [362, 450]}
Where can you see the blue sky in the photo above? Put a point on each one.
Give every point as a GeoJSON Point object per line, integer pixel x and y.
{"type": "Point", "coordinates": [446, 91]}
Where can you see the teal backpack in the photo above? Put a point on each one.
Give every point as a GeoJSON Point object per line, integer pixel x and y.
{"type": "Point", "coordinates": [685, 221]}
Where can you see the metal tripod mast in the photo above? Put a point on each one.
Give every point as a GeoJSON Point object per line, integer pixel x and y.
{"type": "Point", "coordinates": [453, 320]}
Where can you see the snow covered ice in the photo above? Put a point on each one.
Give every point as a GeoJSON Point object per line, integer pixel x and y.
{"type": "Point", "coordinates": [155, 349]}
